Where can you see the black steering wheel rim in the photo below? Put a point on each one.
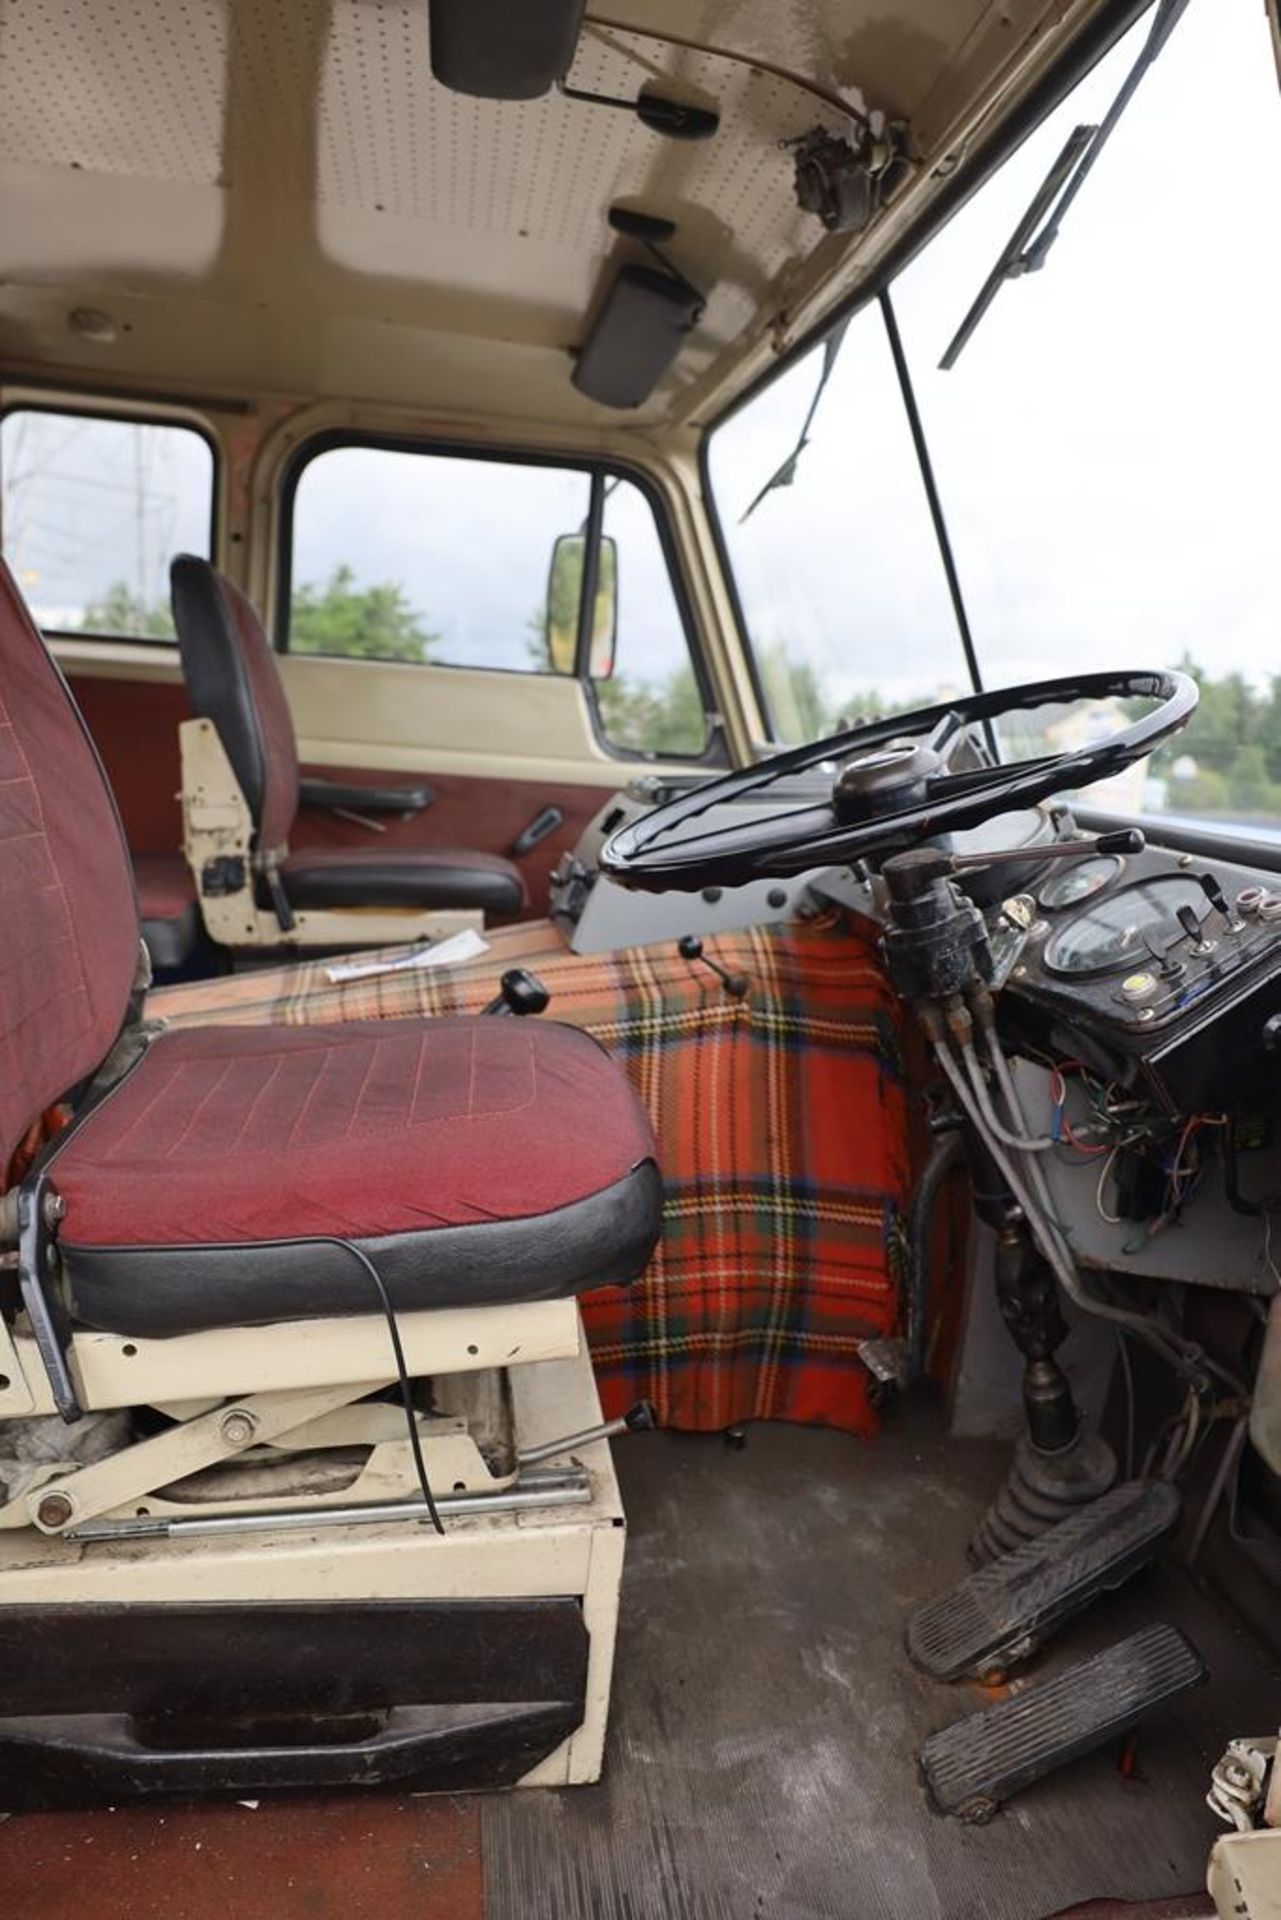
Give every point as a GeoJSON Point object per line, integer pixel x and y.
{"type": "Point", "coordinates": [779, 845]}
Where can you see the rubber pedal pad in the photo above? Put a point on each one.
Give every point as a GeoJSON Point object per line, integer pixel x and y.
{"type": "Point", "coordinates": [977, 1763]}
{"type": "Point", "coordinates": [1003, 1611]}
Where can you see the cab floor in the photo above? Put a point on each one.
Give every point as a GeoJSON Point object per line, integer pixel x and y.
{"type": "Point", "coordinates": [762, 1754]}
{"type": "Point", "coordinates": [762, 1763]}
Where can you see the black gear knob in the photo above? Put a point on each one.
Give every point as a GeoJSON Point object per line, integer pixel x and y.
{"type": "Point", "coordinates": [521, 992]}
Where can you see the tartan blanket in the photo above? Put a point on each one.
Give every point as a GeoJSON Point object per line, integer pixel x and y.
{"type": "Point", "coordinates": [783, 1140]}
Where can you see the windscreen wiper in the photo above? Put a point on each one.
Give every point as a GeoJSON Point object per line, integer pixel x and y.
{"type": "Point", "coordinates": [1027, 247]}
{"type": "Point", "coordinates": [784, 475]}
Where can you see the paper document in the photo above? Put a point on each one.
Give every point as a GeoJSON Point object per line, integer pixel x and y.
{"type": "Point", "coordinates": [467, 945]}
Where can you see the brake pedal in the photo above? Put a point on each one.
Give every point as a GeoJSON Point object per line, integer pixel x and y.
{"type": "Point", "coordinates": [975, 1764]}
{"type": "Point", "coordinates": [1004, 1611]}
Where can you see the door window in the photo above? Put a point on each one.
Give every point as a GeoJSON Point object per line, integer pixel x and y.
{"type": "Point", "coordinates": [455, 560]}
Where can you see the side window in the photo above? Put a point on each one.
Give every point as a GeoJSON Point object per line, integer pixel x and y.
{"type": "Point", "coordinates": [447, 559]}
{"type": "Point", "coordinates": [399, 555]}
{"type": "Point", "coordinates": [92, 511]}
{"type": "Point", "coordinates": [650, 701]}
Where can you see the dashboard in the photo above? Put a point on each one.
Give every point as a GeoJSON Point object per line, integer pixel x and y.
{"type": "Point", "coordinates": [1157, 968]}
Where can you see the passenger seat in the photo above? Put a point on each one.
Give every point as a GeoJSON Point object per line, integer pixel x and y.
{"type": "Point", "coordinates": [233, 681]}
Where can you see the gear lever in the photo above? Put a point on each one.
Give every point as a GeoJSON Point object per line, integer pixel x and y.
{"type": "Point", "coordinates": [519, 991]}
{"type": "Point", "coordinates": [690, 947]}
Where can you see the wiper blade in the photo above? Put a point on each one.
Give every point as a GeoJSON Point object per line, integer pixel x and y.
{"type": "Point", "coordinates": [784, 475]}
{"type": "Point", "coordinates": [1028, 246]}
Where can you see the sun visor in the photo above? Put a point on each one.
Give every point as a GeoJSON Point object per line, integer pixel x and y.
{"type": "Point", "coordinates": [503, 49]}
{"type": "Point", "coordinates": [639, 330]}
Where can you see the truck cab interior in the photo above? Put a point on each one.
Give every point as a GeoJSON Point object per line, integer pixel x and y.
{"type": "Point", "coordinates": [640, 1004]}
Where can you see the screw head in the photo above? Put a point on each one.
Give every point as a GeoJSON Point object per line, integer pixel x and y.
{"type": "Point", "coordinates": [54, 1510]}
{"type": "Point", "coordinates": [238, 1427]}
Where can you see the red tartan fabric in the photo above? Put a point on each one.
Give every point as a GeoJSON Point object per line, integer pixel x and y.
{"type": "Point", "coordinates": [782, 1134]}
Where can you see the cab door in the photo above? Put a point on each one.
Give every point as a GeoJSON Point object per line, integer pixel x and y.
{"type": "Point", "coordinates": [433, 621]}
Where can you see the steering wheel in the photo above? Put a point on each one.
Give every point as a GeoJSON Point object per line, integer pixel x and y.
{"type": "Point", "coordinates": [891, 787]}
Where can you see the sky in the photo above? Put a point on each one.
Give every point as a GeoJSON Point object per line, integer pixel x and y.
{"type": "Point", "coordinates": [1106, 446]}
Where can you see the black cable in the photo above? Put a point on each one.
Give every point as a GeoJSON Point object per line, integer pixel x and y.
{"type": "Point", "coordinates": [402, 1371]}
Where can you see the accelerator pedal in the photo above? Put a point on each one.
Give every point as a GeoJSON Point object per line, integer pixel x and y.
{"type": "Point", "coordinates": [1003, 1612]}
{"type": "Point", "coordinates": [975, 1764]}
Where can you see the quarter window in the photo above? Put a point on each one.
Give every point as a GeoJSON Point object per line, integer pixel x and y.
{"type": "Point", "coordinates": [94, 510]}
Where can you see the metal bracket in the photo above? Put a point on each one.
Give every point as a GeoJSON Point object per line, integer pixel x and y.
{"type": "Point", "coordinates": [39, 1208]}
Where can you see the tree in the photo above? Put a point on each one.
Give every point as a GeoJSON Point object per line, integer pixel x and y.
{"type": "Point", "coordinates": [363, 623]}
{"type": "Point", "coordinates": [121, 610]}
{"type": "Point", "coordinates": [649, 717]}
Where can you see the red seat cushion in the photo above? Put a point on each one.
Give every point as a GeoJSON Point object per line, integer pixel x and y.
{"type": "Point", "coordinates": [406, 1136]}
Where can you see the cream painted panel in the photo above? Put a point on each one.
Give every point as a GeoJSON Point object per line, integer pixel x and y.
{"type": "Point", "coordinates": [361, 713]}
{"type": "Point", "coordinates": [358, 713]}
{"type": "Point", "coordinates": [117, 659]}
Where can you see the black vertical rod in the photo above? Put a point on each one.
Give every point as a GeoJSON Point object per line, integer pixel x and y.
{"type": "Point", "coordinates": [931, 488]}
{"type": "Point", "coordinates": [590, 579]}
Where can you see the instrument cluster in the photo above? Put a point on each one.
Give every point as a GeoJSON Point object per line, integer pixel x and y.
{"type": "Point", "coordinates": [1139, 958]}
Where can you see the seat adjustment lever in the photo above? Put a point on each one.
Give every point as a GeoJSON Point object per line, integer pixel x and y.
{"type": "Point", "coordinates": [637, 1419]}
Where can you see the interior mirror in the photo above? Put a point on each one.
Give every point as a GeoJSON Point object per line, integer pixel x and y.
{"type": "Point", "coordinates": [564, 592]}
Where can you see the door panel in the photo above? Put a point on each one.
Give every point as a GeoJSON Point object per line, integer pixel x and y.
{"type": "Point", "coordinates": [494, 747]}
{"type": "Point", "coordinates": [134, 724]}
{"type": "Point", "coordinates": [486, 814]}
{"type": "Point", "coordinates": [475, 721]}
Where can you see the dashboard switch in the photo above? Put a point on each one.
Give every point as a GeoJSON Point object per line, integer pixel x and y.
{"type": "Point", "coordinates": [1190, 921]}
{"type": "Point", "coordinates": [1219, 901]}
{"type": "Point", "coordinates": [1137, 986]}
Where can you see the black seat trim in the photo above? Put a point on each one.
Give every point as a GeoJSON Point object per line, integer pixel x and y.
{"type": "Point", "coordinates": [154, 1292]}
{"type": "Point", "coordinates": [384, 881]}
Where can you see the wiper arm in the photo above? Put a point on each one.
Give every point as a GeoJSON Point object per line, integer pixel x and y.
{"type": "Point", "coordinates": [784, 475]}
{"type": "Point", "coordinates": [1027, 247]}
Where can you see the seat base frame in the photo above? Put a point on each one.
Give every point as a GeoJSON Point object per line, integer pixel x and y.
{"type": "Point", "coordinates": [483, 1561]}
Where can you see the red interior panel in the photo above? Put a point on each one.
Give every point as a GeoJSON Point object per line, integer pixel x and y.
{"type": "Point", "coordinates": [135, 724]}
{"type": "Point", "coordinates": [486, 814]}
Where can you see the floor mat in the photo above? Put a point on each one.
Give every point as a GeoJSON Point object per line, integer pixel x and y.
{"type": "Point", "coordinates": [762, 1756]}
{"type": "Point", "coordinates": [343, 1858]}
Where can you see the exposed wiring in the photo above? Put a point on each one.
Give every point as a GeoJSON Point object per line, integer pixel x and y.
{"type": "Point", "coordinates": [1183, 1355]}
{"type": "Point", "coordinates": [1025, 1143]}
{"type": "Point", "coordinates": [1112, 1219]}
{"type": "Point", "coordinates": [402, 1371]}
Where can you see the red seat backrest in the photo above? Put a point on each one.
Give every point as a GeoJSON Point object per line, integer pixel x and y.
{"type": "Point", "coordinates": [69, 945]}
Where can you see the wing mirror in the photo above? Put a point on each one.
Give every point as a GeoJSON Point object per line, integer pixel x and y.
{"type": "Point", "coordinates": [564, 597]}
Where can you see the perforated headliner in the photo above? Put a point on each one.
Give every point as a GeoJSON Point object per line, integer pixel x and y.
{"type": "Point", "coordinates": [274, 196]}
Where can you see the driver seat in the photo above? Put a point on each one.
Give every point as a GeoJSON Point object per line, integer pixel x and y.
{"type": "Point", "coordinates": [280, 1285]}
{"type": "Point", "coordinates": [220, 1177]}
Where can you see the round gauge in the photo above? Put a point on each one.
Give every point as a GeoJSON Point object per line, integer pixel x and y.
{"type": "Point", "coordinates": [1125, 928]}
{"type": "Point", "coordinates": [1081, 881]}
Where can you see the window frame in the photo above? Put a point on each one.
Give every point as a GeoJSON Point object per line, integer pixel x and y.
{"type": "Point", "coordinates": [715, 751]}
{"type": "Point", "coordinates": [132, 416]}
